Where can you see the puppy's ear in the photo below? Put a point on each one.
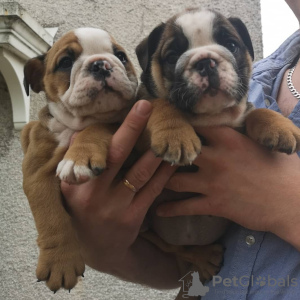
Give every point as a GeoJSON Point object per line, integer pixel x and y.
{"type": "Point", "coordinates": [243, 33]}
{"type": "Point", "coordinates": [33, 74]}
{"type": "Point", "coordinates": [147, 47]}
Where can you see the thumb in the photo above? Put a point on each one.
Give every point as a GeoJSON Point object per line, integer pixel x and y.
{"type": "Point", "coordinates": [199, 205]}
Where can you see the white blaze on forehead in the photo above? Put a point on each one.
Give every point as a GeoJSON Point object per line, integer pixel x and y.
{"type": "Point", "coordinates": [197, 27]}
{"type": "Point", "coordinates": [94, 40]}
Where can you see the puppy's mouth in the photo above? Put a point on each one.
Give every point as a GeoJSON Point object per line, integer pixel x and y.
{"type": "Point", "coordinates": [100, 72]}
{"type": "Point", "coordinates": [205, 85]}
{"type": "Point", "coordinates": [98, 85]}
{"type": "Point", "coordinates": [208, 74]}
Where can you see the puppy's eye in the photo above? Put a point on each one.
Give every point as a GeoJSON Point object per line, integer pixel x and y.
{"type": "Point", "coordinates": [172, 58]}
{"type": "Point", "coordinates": [122, 57]}
{"type": "Point", "coordinates": [65, 63]}
{"type": "Point", "coordinates": [232, 47]}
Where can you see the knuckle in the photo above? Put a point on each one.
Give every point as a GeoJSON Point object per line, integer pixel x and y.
{"type": "Point", "coordinates": [106, 216]}
{"type": "Point", "coordinates": [156, 188]}
{"type": "Point", "coordinates": [116, 155]}
{"type": "Point", "coordinates": [176, 184]}
{"type": "Point", "coordinates": [133, 125]}
{"type": "Point", "coordinates": [128, 222]}
{"type": "Point", "coordinates": [141, 175]}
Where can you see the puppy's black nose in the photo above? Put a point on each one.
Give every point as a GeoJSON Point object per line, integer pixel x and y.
{"type": "Point", "coordinates": [100, 69]}
{"type": "Point", "coordinates": [206, 67]}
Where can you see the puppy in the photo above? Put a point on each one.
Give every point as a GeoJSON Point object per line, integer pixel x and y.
{"type": "Point", "coordinates": [196, 69]}
{"type": "Point", "coordinates": [90, 85]}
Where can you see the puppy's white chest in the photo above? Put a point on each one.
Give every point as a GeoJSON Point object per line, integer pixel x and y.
{"type": "Point", "coordinates": [61, 132]}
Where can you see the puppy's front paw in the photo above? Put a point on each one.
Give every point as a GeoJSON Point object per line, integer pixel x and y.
{"type": "Point", "coordinates": [81, 163]}
{"type": "Point", "coordinates": [179, 146]}
{"type": "Point", "coordinates": [60, 267]}
{"type": "Point", "coordinates": [273, 131]}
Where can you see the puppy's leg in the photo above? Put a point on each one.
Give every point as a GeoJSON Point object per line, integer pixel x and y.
{"type": "Point", "coordinates": [207, 259]}
{"type": "Point", "coordinates": [171, 135]}
{"type": "Point", "coordinates": [86, 157]}
{"type": "Point", "coordinates": [25, 136]}
{"type": "Point", "coordinates": [273, 130]}
{"type": "Point", "coordinates": [60, 261]}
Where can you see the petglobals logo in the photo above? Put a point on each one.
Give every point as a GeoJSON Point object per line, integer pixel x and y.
{"type": "Point", "coordinates": [193, 287]}
{"type": "Point", "coordinates": [246, 281]}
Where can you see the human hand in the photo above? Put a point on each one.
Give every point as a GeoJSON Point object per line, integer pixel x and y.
{"type": "Point", "coordinates": [242, 181]}
{"type": "Point", "coordinates": [108, 215]}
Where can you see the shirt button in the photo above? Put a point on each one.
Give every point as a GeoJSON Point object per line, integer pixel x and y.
{"type": "Point", "coordinates": [267, 102]}
{"type": "Point", "coordinates": [250, 240]}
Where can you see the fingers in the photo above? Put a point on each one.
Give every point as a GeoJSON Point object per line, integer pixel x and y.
{"type": "Point", "coordinates": [218, 134]}
{"type": "Point", "coordinates": [127, 135]}
{"type": "Point", "coordinates": [153, 188]}
{"type": "Point", "coordinates": [194, 206]}
{"type": "Point", "coordinates": [139, 174]}
{"type": "Point", "coordinates": [188, 182]}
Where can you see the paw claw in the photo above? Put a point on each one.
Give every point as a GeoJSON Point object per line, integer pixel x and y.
{"type": "Point", "coordinates": [97, 171]}
{"type": "Point", "coordinates": [178, 146]}
{"type": "Point", "coordinates": [61, 265]}
{"type": "Point", "coordinates": [273, 131]}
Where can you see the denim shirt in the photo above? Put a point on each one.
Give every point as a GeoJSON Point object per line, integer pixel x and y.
{"type": "Point", "coordinates": [259, 265]}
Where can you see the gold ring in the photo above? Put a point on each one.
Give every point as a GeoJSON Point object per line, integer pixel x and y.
{"type": "Point", "coordinates": [129, 185]}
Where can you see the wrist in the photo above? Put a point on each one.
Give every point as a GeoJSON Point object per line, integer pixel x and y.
{"type": "Point", "coordinates": [286, 214]}
{"type": "Point", "coordinates": [290, 232]}
{"type": "Point", "coordinates": [287, 225]}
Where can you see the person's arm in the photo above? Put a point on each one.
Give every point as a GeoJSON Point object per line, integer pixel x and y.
{"type": "Point", "coordinates": [108, 215]}
{"type": "Point", "coordinates": [244, 182]}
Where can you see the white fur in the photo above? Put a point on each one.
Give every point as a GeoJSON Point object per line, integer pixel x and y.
{"type": "Point", "coordinates": [197, 27]}
{"type": "Point", "coordinates": [78, 108]}
{"type": "Point", "coordinates": [62, 116]}
{"type": "Point", "coordinates": [65, 170]}
{"type": "Point", "coordinates": [83, 172]}
{"type": "Point", "coordinates": [93, 40]}
{"type": "Point", "coordinates": [87, 97]}
{"type": "Point", "coordinates": [68, 171]}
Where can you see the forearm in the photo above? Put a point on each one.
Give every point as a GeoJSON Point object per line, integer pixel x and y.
{"type": "Point", "coordinates": [144, 264]}
{"type": "Point", "coordinates": [287, 227]}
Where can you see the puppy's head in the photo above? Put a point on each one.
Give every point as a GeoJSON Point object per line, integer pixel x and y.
{"type": "Point", "coordinates": [87, 72]}
{"type": "Point", "coordinates": [199, 60]}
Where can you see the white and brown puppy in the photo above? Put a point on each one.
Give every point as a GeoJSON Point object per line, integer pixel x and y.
{"type": "Point", "coordinates": [90, 86]}
{"type": "Point", "coordinates": [196, 70]}
{"type": "Point", "coordinates": [200, 62]}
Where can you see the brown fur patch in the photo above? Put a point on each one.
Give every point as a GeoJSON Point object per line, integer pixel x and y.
{"type": "Point", "coordinates": [57, 83]}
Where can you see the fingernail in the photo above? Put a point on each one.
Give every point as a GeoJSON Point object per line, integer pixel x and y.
{"type": "Point", "coordinates": [143, 108]}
